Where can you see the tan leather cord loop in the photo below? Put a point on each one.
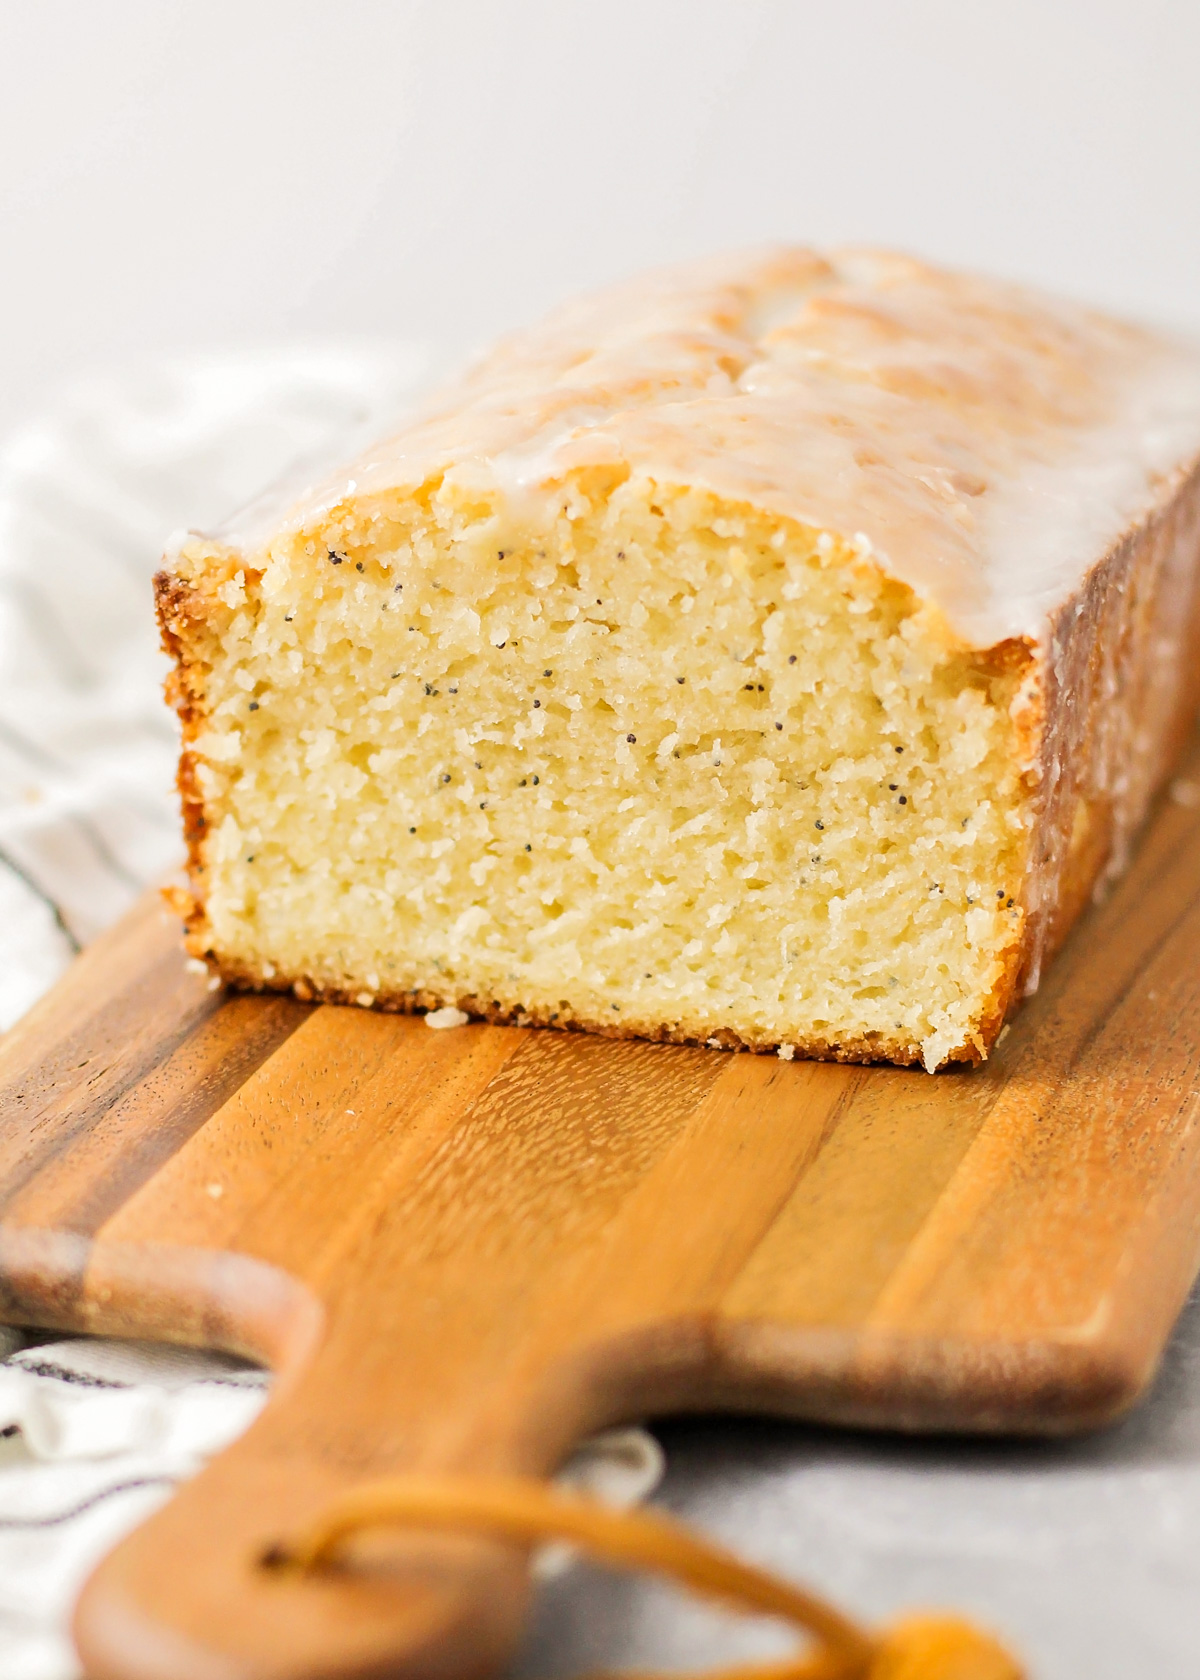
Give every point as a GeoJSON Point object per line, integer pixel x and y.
{"type": "Point", "coordinates": [529, 1511]}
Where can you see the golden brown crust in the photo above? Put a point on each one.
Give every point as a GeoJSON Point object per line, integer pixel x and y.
{"type": "Point", "coordinates": [872, 1048]}
{"type": "Point", "coordinates": [177, 607]}
{"type": "Point", "coordinates": [1116, 699]}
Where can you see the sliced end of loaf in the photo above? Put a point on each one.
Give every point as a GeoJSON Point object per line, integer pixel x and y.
{"type": "Point", "coordinates": [636, 759]}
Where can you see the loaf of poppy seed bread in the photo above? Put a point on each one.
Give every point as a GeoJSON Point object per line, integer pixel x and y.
{"type": "Point", "coordinates": [775, 652]}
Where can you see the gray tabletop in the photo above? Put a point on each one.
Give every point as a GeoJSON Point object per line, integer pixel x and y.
{"type": "Point", "coordinates": [1084, 1554]}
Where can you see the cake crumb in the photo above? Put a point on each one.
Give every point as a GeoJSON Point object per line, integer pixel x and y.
{"type": "Point", "coordinates": [786, 1052]}
{"type": "Point", "coordinates": [449, 1016]}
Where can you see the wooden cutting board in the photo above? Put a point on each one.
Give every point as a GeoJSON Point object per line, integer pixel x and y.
{"type": "Point", "coordinates": [464, 1250]}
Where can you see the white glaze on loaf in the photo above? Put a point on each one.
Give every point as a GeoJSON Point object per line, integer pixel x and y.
{"type": "Point", "coordinates": [988, 442]}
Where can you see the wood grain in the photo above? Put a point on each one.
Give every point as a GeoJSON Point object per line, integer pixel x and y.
{"type": "Point", "coordinates": [464, 1250]}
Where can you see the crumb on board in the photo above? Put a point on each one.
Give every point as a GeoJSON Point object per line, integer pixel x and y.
{"type": "Point", "coordinates": [448, 1016]}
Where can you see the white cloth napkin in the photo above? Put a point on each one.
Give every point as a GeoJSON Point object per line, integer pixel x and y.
{"type": "Point", "coordinates": [95, 1433]}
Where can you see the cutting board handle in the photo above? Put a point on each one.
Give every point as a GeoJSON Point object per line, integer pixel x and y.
{"type": "Point", "coordinates": [186, 1596]}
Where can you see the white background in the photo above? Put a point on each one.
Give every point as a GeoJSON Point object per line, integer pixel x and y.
{"type": "Point", "coordinates": [181, 174]}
